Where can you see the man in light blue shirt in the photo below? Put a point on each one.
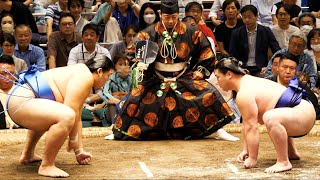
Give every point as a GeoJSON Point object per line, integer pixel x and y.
{"type": "Point", "coordinates": [24, 50]}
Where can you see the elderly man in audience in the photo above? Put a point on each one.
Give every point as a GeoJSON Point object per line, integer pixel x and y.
{"type": "Point", "coordinates": [53, 14]}
{"type": "Point", "coordinates": [24, 50]}
{"type": "Point", "coordinates": [61, 42]}
{"type": "Point", "coordinates": [231, 9]}
{"type": "Point", "coordinates": [296, 46]}
{"type": "Point", "coordinates": [250, 43]}
{"type": "Point", "coordinates": [89, 48]}
{"type": "Point", "coordinates": [283, 30]}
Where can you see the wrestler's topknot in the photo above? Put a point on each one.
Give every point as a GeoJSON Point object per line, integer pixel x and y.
{"type": "Point", "coordinates": [231, 64]}
{"type": "Point", "coordinates": [100, 61]}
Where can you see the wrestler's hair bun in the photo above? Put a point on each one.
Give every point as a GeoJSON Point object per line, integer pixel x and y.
{"type": "Point", "coordinates": [231, 64]}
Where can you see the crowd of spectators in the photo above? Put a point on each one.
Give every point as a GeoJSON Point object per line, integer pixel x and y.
{"type": "Point", "coordinates": [256, 32]}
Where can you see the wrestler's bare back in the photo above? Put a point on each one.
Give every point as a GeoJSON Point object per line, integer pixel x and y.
{"type": "Point", "coordinates": [265, 92]}
{"type": "Point", "coordinates": [59, 79]}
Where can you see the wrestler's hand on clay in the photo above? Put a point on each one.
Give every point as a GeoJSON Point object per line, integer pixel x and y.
{"type": "Point", "coordinates": [197, 75]}
{"type": "Point", "coordinates": [243, 156]}
{"type": "Point", "coordinates": [250, 163]}
{"type": "Point", "coordinates": [83, 157]}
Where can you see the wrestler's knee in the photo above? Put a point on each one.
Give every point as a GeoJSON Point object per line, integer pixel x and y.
{"type": "Point", "coordinates": [269, 118]}
{"type": "Point", "coordinates": [68, 117]}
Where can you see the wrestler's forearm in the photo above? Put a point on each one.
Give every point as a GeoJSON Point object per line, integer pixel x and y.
{"type": "Point", "coordinates": [76, 131]}
{"type": "Point", "coordinates": [245, 144]}
{"type": "Point", "coordinates": [252, 141]}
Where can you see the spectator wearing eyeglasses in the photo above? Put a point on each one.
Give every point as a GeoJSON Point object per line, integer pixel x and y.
{"type": "Point", "coordinates": [283, 30]}
{"type": "Point", "coordinates": [53, 15]}
{"type": "Point", "coordinates": [61, 42]}
{"type": "Point", "coordinates": [296, 46]}
{"type": "Point", "coordinates": [7, 43]}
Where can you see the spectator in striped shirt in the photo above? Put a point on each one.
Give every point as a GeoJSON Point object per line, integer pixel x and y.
{"type": "Point", "coordinates": [53, 15]}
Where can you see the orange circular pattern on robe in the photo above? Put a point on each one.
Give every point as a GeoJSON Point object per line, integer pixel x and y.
{"type": "Point", "coordinates": [118, 123]}
{"type": "Point", "coordinates": [143, 35]}
{"type": "Point", "coordinates": [192, 115]}
{"type": "Point", "coordinates": [225, 109]}
{"type": "Point", "coordinates": [188, 95]}
{"type": "Point", "coordinates": [149, 98]}
{"type": "Point", "coordinates": [211, 120]}
{"type": "Point", "coordinates": [134, 131]}
{"type": "Point", "coordinates": [208, 99]}
{"type": "Point", "coordinates": [183, 50]}
{"type": "Point", "coordinates": [206, 53]}
{"type": "Point", "coordinates": [132, 110]}
{"type": "Point", "coordinates": [151, 119]}
{"type": "Point", "coordinates": [200, 84]}
{"type": "Point", "coordinates": [137, 91]}
{"type": "Point", "coordinates": [177, 122]}
{"type": "Point", "coordinates": [170, 103]}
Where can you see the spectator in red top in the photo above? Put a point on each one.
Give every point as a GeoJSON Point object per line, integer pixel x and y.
{"type": "Point", "coordinates": [195, 10]}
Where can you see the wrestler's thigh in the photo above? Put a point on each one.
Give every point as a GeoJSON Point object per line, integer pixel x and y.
{"type": "Point", "coordinates": [297, 120]}
{"type": "Point", "coordinates": [39, 114]}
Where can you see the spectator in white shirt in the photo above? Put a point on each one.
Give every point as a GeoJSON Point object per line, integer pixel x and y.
{"type": "Point", "coordinates": [89, 48]}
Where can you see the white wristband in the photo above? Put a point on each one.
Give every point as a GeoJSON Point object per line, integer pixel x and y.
{"type": "Point", "coordinates": [87, 100]}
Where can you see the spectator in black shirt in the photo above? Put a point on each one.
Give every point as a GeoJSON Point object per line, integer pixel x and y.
{"type": "Point", "coordinates": [223, 31]}
{"type": "Point", "coordinates": [20, 12]}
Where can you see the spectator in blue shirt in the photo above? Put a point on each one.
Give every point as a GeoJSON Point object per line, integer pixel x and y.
{"type": "Point", "coordinates": [24, 50]}
{"type": "Point", "coordinates": [297, 44]}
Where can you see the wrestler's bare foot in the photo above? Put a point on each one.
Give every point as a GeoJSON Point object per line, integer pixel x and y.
{"type": "Point", "coordinates": [294, 155]}
{"type": "Point", "coordinates": [25, 158]}
{"type": "Point", "coordinates": [52, 171]}
{"type": "Point", "coordinates": [279, 167]}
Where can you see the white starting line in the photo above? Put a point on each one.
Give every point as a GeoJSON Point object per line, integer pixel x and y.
{"type": "Point", "coordinates": [145, 169]}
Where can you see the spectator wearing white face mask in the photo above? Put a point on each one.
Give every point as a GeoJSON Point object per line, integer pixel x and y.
{"type": "Point", "coordinates": [7, 23]}
{"type": "Point", "coordinates": [313, 49]}
{"type": "Point", "coordinates": [148, 15]}
{"type": "Point", "coordinates": [307, 22]}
